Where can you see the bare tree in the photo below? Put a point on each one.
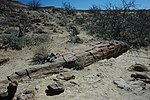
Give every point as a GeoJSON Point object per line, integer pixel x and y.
{"type": "Point", "coordinates": [68, 7]}
{"type": "Point", "coordinates": [34, 4]}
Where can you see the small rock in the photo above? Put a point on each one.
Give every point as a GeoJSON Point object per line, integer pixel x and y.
{"type": "Point", "coordinates": [137, 85]}
{"type": "Point", "coordinates": [140, 76]}
{"type": "Point", "coordinates": [132, 85]}
{"type": "Point", "coordinates": [55, 89]}
{"type": "Point", "coordinates": [74, 83]}
{"type": "Point", "coordinates": [26, 95]}
{"type": "Point", "coordinates": [138, 67]}
{"type": "Point", "coordinates": [122, 84]}
{"type": "Point", "coordinates": [65, 76]}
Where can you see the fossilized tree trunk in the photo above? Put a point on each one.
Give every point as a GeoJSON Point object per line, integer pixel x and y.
{"type": "Point", "coordinates": [97, 52]}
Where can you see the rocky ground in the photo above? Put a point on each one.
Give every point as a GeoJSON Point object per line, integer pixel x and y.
{"type": "Point", "coordinates": [108, 79]}
{"type": "Point", "coordinates": [95, 82]}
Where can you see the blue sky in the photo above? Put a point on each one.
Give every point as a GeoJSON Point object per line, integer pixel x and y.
{"type": "Point", "coordinates": [86, 4]}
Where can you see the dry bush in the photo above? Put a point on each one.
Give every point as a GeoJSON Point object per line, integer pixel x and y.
{"type": "Point", "coordinates": [122, 23]}
{"type": "Point", "coordinates": [68, 7]}
{"type": "Point", "coordinates": [40, 55]}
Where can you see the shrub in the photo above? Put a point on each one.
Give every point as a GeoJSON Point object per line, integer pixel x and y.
{"type": "Point", "coordinates": [79, 63]}
{"type": "Point", "coordinates": [37, 39]}
{"type": "Point", "coordinates": [74, 38]}
{"type": "Point", "coordinates": [12, 41]}
{"type": "Point", "coordinates": [42, 55]}
{"type": "Point", "coordinates": [68, 7]}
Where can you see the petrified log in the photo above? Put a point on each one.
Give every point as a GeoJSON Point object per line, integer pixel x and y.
{"type": "Point", "coordinates": [11, 90]}
{"type": "Point", "coordinates": [97, 52]}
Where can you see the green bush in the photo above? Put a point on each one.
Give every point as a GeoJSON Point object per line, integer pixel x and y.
{"type": "Point", "coordinates": [79, 63]}
{"type": "Point", "coordinates": [12, 41]}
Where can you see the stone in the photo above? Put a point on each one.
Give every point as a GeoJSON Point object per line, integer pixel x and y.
{"type": "Point", "coordinates": [138, 67]}
{"type": "Point", "coordinates": [26, 95]}
{"type": "Point", "coordinates": [55, 89]}
{"type": "Point", "coordinates": [140, 76]}
{"type": "Point", "coordinates": [65, 76]}
{"type": "Point", "coordinates": [122, 84]}
{"type": "Point", "coordinates": [137, 85]}
{"type": "Point", "coordinates": [130, 85]}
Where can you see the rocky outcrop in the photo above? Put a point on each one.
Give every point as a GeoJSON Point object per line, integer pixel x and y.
{"type": "Point", "coordinates": [137, 81]}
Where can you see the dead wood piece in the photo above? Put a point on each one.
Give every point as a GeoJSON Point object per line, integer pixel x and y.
{"type": "Point", "coordinates": [28, 74]}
